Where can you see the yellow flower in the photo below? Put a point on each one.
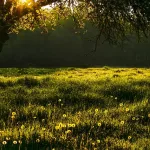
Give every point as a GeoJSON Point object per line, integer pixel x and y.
{"type": "Point", "coordinates": [127, 109]}
{"type": "Point", "coordinates": [7, 138]}
{"type": "Point", "coordinates": [22, 127]}
{"type": "Point", "coordinates": [59, 100]}
{"type": "Point", "coordinates": [93, 143]}
{"type": "Point", "coordinates": [98, 141]}
{"type": "Point", "coordinates": [4, 142]}
{"type": "Point", "coordinates": [129, 137]}
{"type": "Point", "coordinates": [37, 140]}
{"type": "Point", "coordinates": [57, 127]}
{"type": "Point", "coordinates": [14, 142]}
{"type": "Point", "coordinates": [43, 129]}
{"type": "Point", "coordinates": [12, 117]}
{"type": "Point", "coordinates": [121, 104]}
{"type": "Point", "coordinates": [149, 115]}
{"type": "Point", "coordinates": [68, 131]}
{"type": "Point", "coordinates": [99, 124]}
{"type": "Point", "coordinates": [64, 115]}
{"type": "Point", "coordinates": [122, 122]}
{"type": "Point", "coordinates": [73, 125]}
{"type": "Point", "coordinates": [34, 117]}
{"type": "Point", "coordinates": [133, 118]}
{"type": "Point", "coordinates": [19, 141]}
{"type": "Point", "coordinates": [13, 113]}
{"type": "Point", "coordinates": [96, 110]}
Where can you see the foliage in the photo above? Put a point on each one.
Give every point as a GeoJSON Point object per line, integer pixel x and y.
{"type": "Point", "coordinates": [115, 20]}
{"type": "Point", "coordinates": [74, 108]}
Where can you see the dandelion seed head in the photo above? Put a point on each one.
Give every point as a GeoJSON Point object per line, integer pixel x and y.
{"type": "Point", "coordinates": [14, 113]}
{"type": "Point", "coordinates": [99, 124]}
{"type": "Point", "coordinates": [14, 142]}
{"type": "Point", "coordinates": [4, 142]}
{"type": "Point", "coordinates": [37, 140]}
{"type": "Point", "coordinates": [122, 122]}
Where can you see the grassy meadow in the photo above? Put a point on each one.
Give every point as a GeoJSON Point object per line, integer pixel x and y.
{"type": "Point", "coordinates": [75, 109]}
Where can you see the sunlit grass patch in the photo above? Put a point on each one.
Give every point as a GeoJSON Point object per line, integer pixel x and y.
{"type": "Point", "coordinates": [74, 108]}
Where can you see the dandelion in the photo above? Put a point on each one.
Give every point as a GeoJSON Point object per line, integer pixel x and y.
{"type": "Point", "coordinates": [99, 124]}
{"type": "Point", "coordinates": [93, 143]}
{"type": "Point", "coordinates": [59, 100]}
{"type": "Point", "coordinates": [133, 118]}
{"type": "Point", "coordinates": [14, 142]}
{"type": "Point", "coordinates": [37, 140]}
{"type": "Point", "coordinates": [149, 115]}
{"type": "Point", "coordinates": [13, 113]}
{"type": "Point", "coordinates": [68, 131]}
{"type": "Point", "coordinates": [121, 104]}
{"type": "Point", "coordinates": [122, 122]}
{"type": "Point", "coordinates": [127, 109]}
{"type": "Point", "coordinates": [22, 127]}
{"type": "Point", "coordinates": [43, 120]}
{"type": "Point", "coordinates": [4, 142]}
{"type": "Point", "coordinates": [129, 137]}
{"type": "Point", "coordinates": [7, 138]}
{"type": "Point", "coordinates": [64, 115]}
{"type": "Point", "coordinates": [12, 117]}
{"type": "Point", "coordinates": [43, 129]}
{"type": "Point", "coordinates": [73, 125]}
{"type": "Point", "coordinates": [20, 142]}
{"type": "Point", "coordinates": [57, 127]}
{"type": "Point", "coordinates": [96, 110]}
{"type": "Point", "coordinates": [98, 141]}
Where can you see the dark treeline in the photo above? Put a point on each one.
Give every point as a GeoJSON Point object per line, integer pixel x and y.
{"type": "Point", "coordinates": [64, 48]}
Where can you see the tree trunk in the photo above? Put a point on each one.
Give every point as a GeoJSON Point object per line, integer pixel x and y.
{"type": "Point", "coordinates": [3, 36]}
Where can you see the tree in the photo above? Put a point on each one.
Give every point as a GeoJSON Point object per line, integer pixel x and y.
{"type": "Point", "coordinates": [115, 19]}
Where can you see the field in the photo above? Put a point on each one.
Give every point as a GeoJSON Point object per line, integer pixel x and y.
{"type": "Point", "coordinates": [75, 109]}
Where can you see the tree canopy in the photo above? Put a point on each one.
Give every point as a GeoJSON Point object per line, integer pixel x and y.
{"type": "Point", "coordinates": [114, 19]}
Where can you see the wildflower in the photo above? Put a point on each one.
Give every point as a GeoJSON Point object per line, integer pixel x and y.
{"type": "Point", "coordinates": [43, 129]}
{"type": "Point", "coordinates": [116, 98]}
{"type": "Point", "coordinates": [121, 104]}
{"type": "Point", "coordinates": [127, 109]}
{"type": "Point", "coordinates": [4, 142]}
{"type": "Point", "coordinates": [99, 124]}
{"type": "Point", "coordinates": [106, 111]}
{"type": "Point", "coordinates": [14, 142]}
{"type": "Point", "coordinates": [37, 140]}
{"type": "Point", "coordinates": [59, 100]}
{"type": "Point", "coordinates": [73, 125]}
{"type": "Point", "coordinates": [122, 122]}
{"type": "Point", "coordinates": [13, 113]}
{"type": "Point", "coordinates": [34, 117]}
{"type": "Point", "coordinates": [98, 141]}
{"type": "Point", "coordinates": [149, 115]}
{"type": "Point", "coordinates": [93, 143]}
{"type": "Point", "coordinates": [12, 117]}
{"type": "Point", "coordinates": [20, 142]}
{"type": "Point", "coordinates": [43, 120]}
{"type": "Point", "coordinates": [133, 118]}
{"type": "Point", "coordinates": [68, 131]}
{"type": "Point", "coordinates": [57, 127]}
{"type": "Point", "coordinates": [7, 138]}
{"type": "Point", "coordinates": [69, 125]}
{"type": "Point", "coordinates": [129, 137]}
{"type": "Point", "coordinates": [64, 115]}
{"type": "Point", "coordinates": [22, 127]}
{"type": "Point", "coordinates": [96, 110]}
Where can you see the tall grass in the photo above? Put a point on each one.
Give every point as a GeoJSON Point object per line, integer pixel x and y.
{"type": "Point", "coordinates": [75, 109]}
